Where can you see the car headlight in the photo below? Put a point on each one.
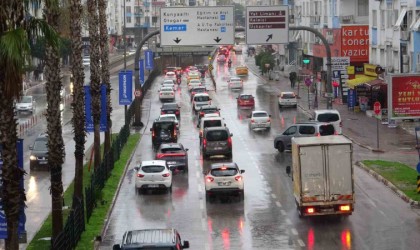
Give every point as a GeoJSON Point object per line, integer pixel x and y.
{"type": "Point", "coordinates": [32, 157]}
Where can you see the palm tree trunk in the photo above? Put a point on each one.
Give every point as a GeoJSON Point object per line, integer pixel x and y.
{"type": "Point", "coordinates": [103, 32]}
{"type": "Point", "coordinates": [95, 77]}
{"type": "Point", "coordinates": [78, 119]}
{"type": "Point", "coordinates": [56, 152]}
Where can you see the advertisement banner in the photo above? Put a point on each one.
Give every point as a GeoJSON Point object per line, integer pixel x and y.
{"type": "Point", "coordinates": [141, 68]}
{"type": "Point", "coordinates": [88, 110]}
{"type": "Point", "coordinates": [125, 87]}
{"type": "Point", "coordinates": [404, 95]}
{"type": "Point", "coordinates": [355, 42]}
{"type": "Point", "coordinates": [351, 98]}
{"type": "Point", "coordinates": [148, 55]}
{"type": "Point", "coordinates": [22, 216]}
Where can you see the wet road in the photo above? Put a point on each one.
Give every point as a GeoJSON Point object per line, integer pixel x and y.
{"type": "Point", "coordinates": [267, 218]}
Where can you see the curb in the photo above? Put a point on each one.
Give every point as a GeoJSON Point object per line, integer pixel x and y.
{"type": "Point", "coordinates": [399, 193]}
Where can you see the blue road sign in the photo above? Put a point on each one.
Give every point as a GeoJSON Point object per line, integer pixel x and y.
{"type": "Point", "coordinates": [175, 27]}
{"type": "Point", "coordinates": [125, 87]}
{"type": "Point", "coordinates": [88, 110]}
{"type": "Point", "coordinates": [141, 66]}
{"type": "Point", "coordinates": [148, 55]}
{"type": "Point", "coordinates": [418, 167]}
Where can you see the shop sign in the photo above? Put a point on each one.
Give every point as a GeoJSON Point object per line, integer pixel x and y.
{"type": "Point", "coordinates": [404, 96]}
{"type": "Point", "coordinates": [355, 42]}
{"type": "Point", "coordinates": [370, 69]}
{"type": "Point", "coordinates": [351, 98]}
{"type": "Point", "coordinates": [350, 70]}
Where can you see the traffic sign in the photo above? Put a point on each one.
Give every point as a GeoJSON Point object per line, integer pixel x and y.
{"type": "Point", "coordinates": [180, 26]}
{"type": "Point", "coordinates": [267, 24]}
{"type": "Point", "coordinates": [211, 67]}
{"type": "Point", "coordinates": [308, 81]}
{"type": "Point", "coordinates": [137, 93]}
{"type": "Point", "coordinates": [377, 107]}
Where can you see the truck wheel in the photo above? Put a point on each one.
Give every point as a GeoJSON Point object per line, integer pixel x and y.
{"type": "Point", "coordinates": [280, 147]}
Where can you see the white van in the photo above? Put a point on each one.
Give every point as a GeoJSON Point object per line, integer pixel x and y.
{"type": "Point", "coordinates": [329, 115]}
{"type": "Point", "coordinates": [200, 100]}
{"type": "Point", "coordinates": [207, 122]}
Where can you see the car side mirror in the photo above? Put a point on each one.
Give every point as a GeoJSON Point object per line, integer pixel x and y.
{"type": "Point", "coordinates": [204, 172]}
{"type": "Point", "coordinates": [116, 247]}
{"type": "Point", "coordinates": [136, 168]}
{"type": "Point", "coordinates": [187, 149]}
{"type": "Point", "coordinates": [237, 97]}
{"type": "Point", "coordinates": [151, 129]}
{"type": "Point", "coordinates": [311, 119]}
{"type": "Point", "coordinates": [31, 147]}
{"type": "Point", "coordinates": [186, 244]}
{"type": "Point", "coordinates": [288, 170]}
{"type": "Point", "coordinates": [242, 171]}
{"type": "Point", "coordinates": [269, 115]}
{"type": "Point", "coordinates": [231, 134]}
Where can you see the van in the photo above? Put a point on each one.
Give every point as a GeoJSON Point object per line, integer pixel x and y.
{"type": "Point", "coordinates": [163, 132]}
{"type": "Point", "coordinates": [328, 115]}
{"type": "Point", "coordinates": [207, 122]}
{"type": "Point", "coordinates": [200, 100]}
{"type": "Point", "coordinates": [216, 141]}
{"type": "Point", "coordinates": [152, 239]}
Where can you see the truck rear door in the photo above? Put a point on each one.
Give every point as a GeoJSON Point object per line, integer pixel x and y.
{"type": "Point", "coordinates": [312, 173]}
{"type": "Point", "coordinates": [340, 172]}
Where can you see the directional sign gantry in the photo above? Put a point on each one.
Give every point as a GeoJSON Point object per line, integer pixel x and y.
{"type": "Point", "coordinates": [181, 26]}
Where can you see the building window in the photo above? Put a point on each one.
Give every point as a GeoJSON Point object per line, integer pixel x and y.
{"type": "Point", "coordinates": [128, 9]}
{"type": "Point", "coordinates": [382, 19]}
{"type": "Point", "coordinates": [374, 18]}
{"type": "Point", "coordinates": [128, 19]}
{"type": "Point", "coordinates": [363, 7]}
{"type": "Point", "coordinates": [390, 19]}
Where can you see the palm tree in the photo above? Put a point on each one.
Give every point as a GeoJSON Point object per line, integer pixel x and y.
{"type": "Point", "coordinates": [54, 130]}
{"type": "Point", "coordinates": [78, 119]}
{"type": "Point", "coordinates": [17, 28]}
{"type": "Point", "coordinates": [95, 77]}
{"type": "Point", "coordinates": [103, 33]}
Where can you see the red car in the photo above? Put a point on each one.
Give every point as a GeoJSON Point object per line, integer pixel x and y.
{"type": "Point", "coordinates": [245, 100]}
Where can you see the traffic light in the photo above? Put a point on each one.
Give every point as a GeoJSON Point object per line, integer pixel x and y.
{"type": "Point", "coordinates": [306, 60]}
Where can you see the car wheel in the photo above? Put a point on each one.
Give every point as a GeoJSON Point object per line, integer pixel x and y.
{"type": "Point", "coordinates": [295, 106]}
{"type": "Point", "coordinates": [280, 106]}
{"type": "Point", "coordinates": [280, 146]}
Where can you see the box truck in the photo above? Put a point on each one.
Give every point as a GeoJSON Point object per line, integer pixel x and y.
{"type": "Point", "coordinates": [323, 175]}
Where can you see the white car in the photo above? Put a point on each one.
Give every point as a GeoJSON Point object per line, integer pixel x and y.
{"type": "Point", "coordinates": [169, 85]}
{"type": "Point", "coordinates": [26, 104]}
{"type": "Point", "coordinates": [287, 99]}
{"type": "Point", "coordinates": [166, 94]}
{"type": "Point", "coordinates": [235, 83]}
{"type": "Point", "coordinates": [169, 117]}
{"type": "Point", "coordinates": [199, 100]}
{"type": "Point", "coordinates": [153, 175]}
{"type": "Point", "coordinates": [194, 83]}
{"type": "Point", "coordinates": [169, 81]}
{"type": "Point", "coordinates": [260, 119]}
{"type": "Point", "coordinates": [224, 179]}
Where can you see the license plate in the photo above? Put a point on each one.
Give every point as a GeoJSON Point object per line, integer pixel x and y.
{"type": "Point", "coordinates": [153, 185]}
{"type": "Point", "coordinates": [225, 183]}
{"type": "Point", "coordinates": [171, 162]}
{"type": "Point", "coordinates": [327, 210]}
{"type": "Point", "coordinates": [260, 125]}
{"type": "Point", "coordinates": [43, 162]}
{"type": "Point", "coordinates": [218, 148]}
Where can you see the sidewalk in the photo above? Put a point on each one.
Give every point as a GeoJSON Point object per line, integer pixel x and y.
{"type": "Point", "coordinates": [396, 144]}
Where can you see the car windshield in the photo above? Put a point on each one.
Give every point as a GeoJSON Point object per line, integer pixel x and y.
{"type": "Point", "coordinates": [170, 106]}
{"type": "Point", "coordinates": [288, 96]}
{"type": "Point", "coordinates": [328, 117]}
{"type": "Point", "coordinates": [171, 149]}
{"type": "Point", "coordinates": [246, 97]}
{"type": "Point", "coordinates": [40, 145]}
{"type": "Point", "coordinates": [217, 135]}
{"type": "Point", "coordinates": [201, 98]}
{"type": "Point", "coordinates": [26, 99]}
{"type": "Point", "coordinates": [212, 123]}
{"type": "Point", "coordinates": [326, 130]}
{"type": "Point", "coordinates": [224, 172]}
{"type": "Point", "coordinates": [260, 114]}
{"type": "Point", "coordinates": [152, 169]}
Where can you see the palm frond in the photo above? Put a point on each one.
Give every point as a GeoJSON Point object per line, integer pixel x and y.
{"type": "Point", "coordinates": [40, 27]}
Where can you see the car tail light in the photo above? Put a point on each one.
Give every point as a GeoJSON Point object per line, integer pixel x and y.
{"type": "Point", "coordinates": [201, 133]}
{"type": "Point", "coordinates": [209, 179]}
{"type": "Point", "coordinates": [174, 132]}
{"type": "Point", "coordinates": [153, 133]}
{"type": "Point", "coordinates": [166, 175]}
{"type": "Point", "coordinates": [140, 175]}
{"type": "Point", "coordinates": [204, 143]}
{"type": "Point", "coordinates": [344, 208]}
{"type": "Point", "coordinates": [335, 132]}
{"type": "Point", "coordinates": [160, 93]}
{"type": "Point", "coordinates": [318, 134]}
{"type": "Point", "coordinates": [310, 210]}
{"type": "Point", "coordinates": [268, 120]}
{"type": "Point", "coordinates": [162, 112]}
{"type": "Point", "coordinates": [201, 114]}
{"type": "Point", "coordinates": [252, 120]}
{"type": "Point", "coordinates": [177, 112]}
{"type": "Point", "coordinates": [158, 156]}
{"type": "Point", "coordinates": [238, 178]}
{"type": "Point", "coordinates": [230, 142]}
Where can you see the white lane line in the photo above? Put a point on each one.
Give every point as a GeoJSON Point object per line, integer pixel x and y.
{"type": "Point", "coordinates": [288, 221]}
{"type": "Point", "coordinates": [202, 206]}
{"type": "Point", "coordinates": [278, 204]}
{"type": "Point", "coordinates": [200, 189]}
{"type": "Point", "coordinates": [380, 211]}
{"type": "Point", "coordinates": [273, 196]}
{"type": "Point", "coordinates": [197, 174]}
{"type": "Point", "coordinates": [294, 231]}
{"type": "Point", "coordinates": [301, 243]}
{"type": "Point", "coordinates": [283, 212]}
{"type": "Point", "coordinates": [203, 224]}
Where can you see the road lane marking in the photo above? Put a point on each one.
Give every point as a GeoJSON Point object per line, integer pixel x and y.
{"type": "Point", "coordinates": [301, 243]}
{"type": "Point", "coordinates": [283, 212]}
{"type": "Point", "coordinates": [274, 196]}
{"type": "Point", "coordinates": [288, 221]}
{"type": "Point", "coordinates": [197, 174]}
{"type": "Point", "coordinates": [278, 204]}
{"type": "Point", "coordinates": [294, 231]}
{"type": "Point", "coordinates": [199, 189]}
{"type": "Point", "coordinates": [380, 211]}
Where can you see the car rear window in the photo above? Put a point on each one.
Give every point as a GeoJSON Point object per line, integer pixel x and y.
{"type": "Point", "coordinates": [246, 97]}
{"type": "Point", "coordinates": [224, 172]}
{"type": "Point", "coordinates": [201, 98]}
{"type": "Point", "coordinates": [170, 106]}
{"type": "Point", "coordinates": [163, 126]}
{"type": "Point", "coordinates": [306, 130]}
{"type": "Point", "coordinates": [326, 130]}
{"type": "Point", "coordinates": [260, 115]}
{"type": "Point", "coordinates": [167, 118]}
{"type": "Point", "coordinates": [171, 149]}
{"type": "Point", "coordinates": [152, 169]}
{"type": "Point", "coordinates": [217, 135]}
{"type": "Point", "coordinates": [328, 117]}
{"type": "Point", "coordinates": [212, 123]}
{"type": "Point", "coordinates": [208, 111]}
{"type": "Point", "coordinates": [170, 74]}
{"type": "Point", "coordinates": [288, 96]}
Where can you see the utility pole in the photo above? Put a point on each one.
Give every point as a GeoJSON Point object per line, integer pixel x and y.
{"type": "Point", "coordinates": [125, 55]}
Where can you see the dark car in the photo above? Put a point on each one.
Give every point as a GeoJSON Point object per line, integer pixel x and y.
{"type": "Point", "coordinates": [208, 109]}
{"type": "Point", "coordinates": [163, 132]}
{"type": "Point", "coordinates": [170, 108]}
{"type": "Point", "coordinates": [175, 154]}
{"type": "Point", "coordinates": [39, 153]}
{"type": "Point", "coordinates": [216, 141]}
{"type": "Point", "coordinates": [168, 239]}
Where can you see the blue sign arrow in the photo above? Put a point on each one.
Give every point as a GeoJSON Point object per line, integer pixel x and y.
{"type": "Point", "coordinates": [148, 54]}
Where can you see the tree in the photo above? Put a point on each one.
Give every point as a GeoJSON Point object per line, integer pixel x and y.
{"type": "Point", "coordinates": [103, 32]}
{"type": "Point", "coordinates": [78, 105]}
{"type": "Point", "coordinates": [17, 28]}
{"type": "Point", "coordinates": [95, 78]}
{"type": "Point", "coordinates": [56, 151]}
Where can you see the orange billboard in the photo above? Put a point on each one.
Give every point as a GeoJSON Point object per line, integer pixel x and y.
{"type": "Point", "coordinates": [333, 36]}
{"type": "Point", "coordinates": [355, 42]}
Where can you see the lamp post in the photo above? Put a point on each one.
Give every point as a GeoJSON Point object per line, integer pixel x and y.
{"type": "Point", "coordinates": [125, 54]}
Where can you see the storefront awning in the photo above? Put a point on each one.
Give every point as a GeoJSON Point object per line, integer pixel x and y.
{"type": "Point", "coordinates": [360, 79]}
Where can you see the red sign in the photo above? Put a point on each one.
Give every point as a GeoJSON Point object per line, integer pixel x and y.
{"type": "Point", "coordinates": [355, 42]}
{"type": "Point", "coordinates": [377, 108]}
{"type": "Point", "coordinates": [137, 93]}
{"type": "Point", "coordinates": [405, 96]}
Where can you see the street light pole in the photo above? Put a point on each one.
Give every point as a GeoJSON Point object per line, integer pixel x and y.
{"type": "Point", "coordinates": [125, 54]}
